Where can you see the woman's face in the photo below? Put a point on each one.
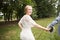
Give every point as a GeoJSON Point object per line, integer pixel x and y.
{"type": "Point", "coordinates": [29, 10]}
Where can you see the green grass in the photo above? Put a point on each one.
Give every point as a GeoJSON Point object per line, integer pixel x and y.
{"type": "Point", "coordinates": [12, 32]}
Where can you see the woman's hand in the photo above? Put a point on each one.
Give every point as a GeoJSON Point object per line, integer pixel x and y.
{"type": "Point", "coordinates": [46, 29]}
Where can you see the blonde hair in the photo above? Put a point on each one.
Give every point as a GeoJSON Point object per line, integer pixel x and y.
{"type": "Point", "coordinates": [26, 8]}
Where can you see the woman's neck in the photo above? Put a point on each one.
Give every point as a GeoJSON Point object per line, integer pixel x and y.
{"type": "Point", "coordinates": [27, 14]}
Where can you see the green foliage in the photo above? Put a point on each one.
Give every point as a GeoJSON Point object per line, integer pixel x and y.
{"type": "Point", "coordinates": [58, 7]}
{"type": "Point", "coordinates": [0, 17]}
{"type": "Point", "coordinates": [34, 14]}
{"type": "Point", "coordinates": [41, 8]}
{"type": "Point", "coordinates": [1, 4]}
{"type": "Point", "coordinates": [45, 8]}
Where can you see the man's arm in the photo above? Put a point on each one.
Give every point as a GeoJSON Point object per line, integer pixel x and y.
{"type": "Point", "coordinates": [54, 22]}
{"type": "Point", "coordinates": [51, 25]}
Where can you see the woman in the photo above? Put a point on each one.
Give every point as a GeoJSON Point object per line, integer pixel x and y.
{"type": "Point", "coordinates": [26, 23]}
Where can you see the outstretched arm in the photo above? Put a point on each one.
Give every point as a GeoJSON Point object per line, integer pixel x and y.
{"type": "Point", "coordinates": [51, 25]}
{"type": "Point", "coordinates": [40, 27]}
{"type": "Point", "coordinates": [34, 24]}
{"type": "Point", "coordinates": [54, 22]}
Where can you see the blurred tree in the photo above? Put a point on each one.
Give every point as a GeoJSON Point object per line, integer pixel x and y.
{"type": "Point", "coordinates": [58, 8]}
{"type": "Point", "coordinates": [22, 4]}
{"type": "Point", "coordinates": [41, 8]}
{"type": "Point", "coordinates": [4, 9]}
{"type": "Point", "coordinates": [1, 4]}
{"type": "Point", "coordinates": [45, 8]}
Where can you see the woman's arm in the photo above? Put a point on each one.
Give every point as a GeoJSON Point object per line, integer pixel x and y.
{"type": "Point", "coordinates": [30, 20]}
{"type": "Point", "coordinates": [20, 25]}
{"type": "Point", "coordinates": [40, 27]}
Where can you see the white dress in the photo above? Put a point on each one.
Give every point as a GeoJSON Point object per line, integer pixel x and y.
{"type": "Point", "coordinates": [27, 23]}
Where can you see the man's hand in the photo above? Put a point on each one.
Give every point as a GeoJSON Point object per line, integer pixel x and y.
{"type": "Point", "coordinates": [51, 29]}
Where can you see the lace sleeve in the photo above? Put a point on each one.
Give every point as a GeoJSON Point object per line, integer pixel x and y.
{"type": "Point", "coordinates": [30, 20]}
